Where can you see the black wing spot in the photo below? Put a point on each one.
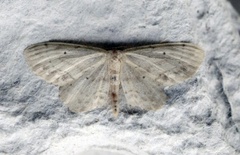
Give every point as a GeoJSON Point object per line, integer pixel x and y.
{"type": "Point", "coordinates": [164, 53]}
{"type": "Point", "coordinates": [114, 78]}
{"type": "Point", "coordinates": [183, 45]}
{"type": "Point", "coordinates": [143, 77]}
{"type": "Point", "coordinates": [87, 78]}
{"type": "Point", "coordinates": [165, 77]}
{"type": "Point", "coordinates": [184, 69]}
{"type": "Point", "coordinates": [65, 52]}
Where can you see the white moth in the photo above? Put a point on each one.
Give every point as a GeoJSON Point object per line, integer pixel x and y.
{"type": "Point", "coordinates": [90, 77]}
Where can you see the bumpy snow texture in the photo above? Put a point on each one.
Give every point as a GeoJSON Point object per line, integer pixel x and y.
{"type": "Point", "coordinates": [202, 115]}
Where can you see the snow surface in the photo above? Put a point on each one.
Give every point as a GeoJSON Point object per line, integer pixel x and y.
{"type": "Point", "coordinates": [202, 115]}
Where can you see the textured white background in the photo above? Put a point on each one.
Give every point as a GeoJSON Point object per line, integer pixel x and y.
{"type": "Point", "coordinates": [202, 115]}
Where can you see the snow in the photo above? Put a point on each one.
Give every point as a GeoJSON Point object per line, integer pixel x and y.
{"type": "Point", "coordinates": [201, 117]}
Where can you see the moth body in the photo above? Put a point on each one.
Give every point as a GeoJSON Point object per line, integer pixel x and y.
{"type": "Point", "coordinates": [114, 67]}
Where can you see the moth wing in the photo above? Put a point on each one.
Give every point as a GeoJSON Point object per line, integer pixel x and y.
{"type": "Point", "coordinates": [147, 70]}
{"type": "Point", "coordinates": [80, 71]}
{"type": "Point", "coordinates": [62, 63]}
{"type": "Point", "coordinates": [139, 92]}
{"type": "Point", "coordinates": [90, 91]}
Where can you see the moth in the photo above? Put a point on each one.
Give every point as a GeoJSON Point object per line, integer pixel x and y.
{"type": "Point", "coordinates": [91, 77]}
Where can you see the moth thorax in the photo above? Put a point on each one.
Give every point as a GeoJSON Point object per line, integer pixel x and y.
{"type": "Point", "coordinates": [115, 63]}
{"type": "Point", "coordinates": [116, 55]}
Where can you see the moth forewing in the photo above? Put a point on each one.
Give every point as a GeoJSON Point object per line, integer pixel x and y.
{"type": "Point", "coordinates": [170, 63]}
{"type": "Point", "coordinates": [61, 63]}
